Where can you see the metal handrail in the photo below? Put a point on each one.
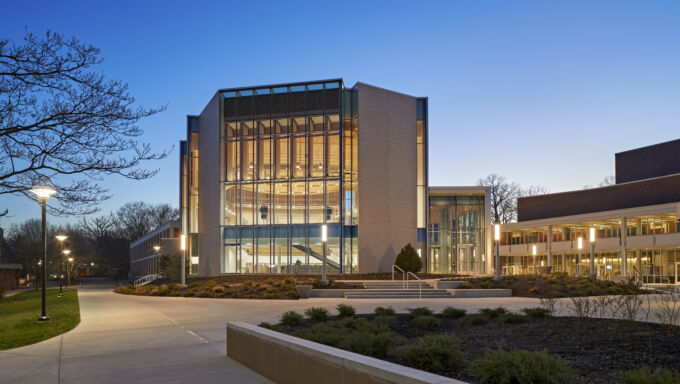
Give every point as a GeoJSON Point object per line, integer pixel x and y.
{"type": "Point", "coordinates": [403, 275]}
{"type": "Point", "coordinates": [420, 284]}
{"type": "Point", "coordinates": [145, 279]}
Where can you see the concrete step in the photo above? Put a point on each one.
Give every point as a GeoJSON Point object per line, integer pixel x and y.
{"type": "Point", "coordinates": [397, 294]}
{"type": "Point", "coordinates": [396, 285]}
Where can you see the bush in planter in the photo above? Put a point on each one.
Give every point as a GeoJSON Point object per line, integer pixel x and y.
{"type": "Point", "coordinates": [385, 321]}
{"type": "Point", "coordinates": [492, 313]}
{"type": "Point", "coordinates": [512, 318]}
{"type": "Point", "coordinates": [317, 314]}
{"type": "Point", "coordinates": [345, 310]}
{"type": "Point", "coordinates": [520, 366]}
{"type": "Point", "coordinates": [420, 311]}
{"type": "Point", "coordinates": [331, 333]}
{"type": "Point", "coordinates": [536, 313]}
{"type": "Point", "coordinates": [427, 323]}
{"type": "Point", "coordinates": [473, 320]}
{"type": "Point", "coordinates": [408, 259]}
{"type": "Point", "coordinates": [291, 319]}
{"type": "Point", "coordinates": [366, 342]}
{"type": "Point", "coordinates": [647, 376]}
{"type": "Point", "coordinates": [453, 313]}
{"type": "Point", "coordinates": [435, 353]}
{"type": "Point", "coordinates": [382, 311]}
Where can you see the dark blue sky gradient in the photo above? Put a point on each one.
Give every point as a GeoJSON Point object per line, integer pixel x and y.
{"type": "Point", "coordinates": [542, 92]}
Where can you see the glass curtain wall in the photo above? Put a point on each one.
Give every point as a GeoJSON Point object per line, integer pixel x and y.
{"type": "Point", "coordinates": [456, 234]}
{"type": "Point", "coordinates": [283, 150]}
{"type": "Point", "coordinates": [193, 192]}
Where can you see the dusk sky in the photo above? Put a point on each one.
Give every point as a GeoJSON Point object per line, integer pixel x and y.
{"type": "Point", "coordinates": [541, 92]}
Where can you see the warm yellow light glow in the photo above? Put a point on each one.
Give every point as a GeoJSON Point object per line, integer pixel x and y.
{"type": "Point", "coordinates": [580, 243]}
{"type": "Point", "coordinates": [183, 242]}
{"type": "Point", "coordinates": [533, 250]}
{"type": "Point", "coordinates": [66, 251]}
{"type": "Point", "coordinates": [43, 193]}
{"type": "Point", "coordinates": [156, 248]}
{"type": "Point", "coordinates": [61, 237]}
{"type": "Point", "coordinates": [497, 232]}
{"type": "Point", "coordinates": [324, 233]}
{"type": "Point", "coordinates": [592, 235]}
{"type": "Point", "coordinates": [70, 259]}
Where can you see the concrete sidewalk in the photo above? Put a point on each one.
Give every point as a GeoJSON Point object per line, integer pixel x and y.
{"type": "Point", "coordinates": [146, 339]}
{"type": "Point", "coordinates": [123, 340]}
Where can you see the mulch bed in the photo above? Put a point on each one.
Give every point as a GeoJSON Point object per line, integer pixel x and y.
{"type": "Point", "coordinates": [550, 285]}
{"type": "Point", "coordinates": [597, 349]}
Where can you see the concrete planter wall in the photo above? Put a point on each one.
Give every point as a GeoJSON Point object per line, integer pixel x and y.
{"type": "Point", "coordinates": [462, 293]}
{"type": "Point", "coordinates": [329, 293]}
{"type": "Point", "coordinates": [303, 290]}
{"type": "Point", "coordinates": [449, 284]}
{"type": "Point", "coordinates": [289, 360]}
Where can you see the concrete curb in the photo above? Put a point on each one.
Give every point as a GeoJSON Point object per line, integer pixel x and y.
{"type": "Point", "coordinates": [477, 293]}
{"type": "Point", "coordinates": [287, 359]}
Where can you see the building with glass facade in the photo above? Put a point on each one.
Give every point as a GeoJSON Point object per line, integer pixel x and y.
{"type": "Point", "coordinates": [458, 238]}
{"type": "Point", "coordinates": [264, 169]}
{"type": "Point", "coordinates": [634, 223]}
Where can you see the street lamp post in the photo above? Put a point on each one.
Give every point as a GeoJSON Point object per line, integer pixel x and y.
{"type": "Point", "coordinates": [579, 243]}
{"type": "Point", "coordinates": [61, 239]}
{"type": "Point", "coordinates": [44, 193]}
{"type": "Point", "coordinates": [183, 248]}
{"type": "Point", "coordinates": [497, 238]}
{"type": "Point", "coordinates": [156, 248]}
{"type": "Point", "coordinates": [64, 252]}
{"type": "Point", "coordinates": [324, 238]}
{"type": "Point", "coordinates": [593, 275]}
{"type": "Point", "coordinates": [69, 270]}
{"type": "Point", "coordinates": [533, 252]}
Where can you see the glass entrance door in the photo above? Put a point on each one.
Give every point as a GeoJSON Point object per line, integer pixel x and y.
{"type": "Point", "coordinates": [464, 259]}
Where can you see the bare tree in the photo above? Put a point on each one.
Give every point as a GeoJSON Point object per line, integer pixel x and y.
{"type": "Point", "coordinates": [134, 219]}
{"type": "Point", "coordinates": [64, 125]}
{"type": "Point", "coordinates": [608, 181]}
{"type": "Point", "coordinates": [503, 198]}
{"type": "Point", "coordinates": [162, 213]}
{"type": "Point", "coordinates": [533, 190]}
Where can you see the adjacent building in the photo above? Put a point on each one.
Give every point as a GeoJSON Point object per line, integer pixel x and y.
{"type": "Point", "coordinates": [146, 252]}
{"type": "Point", "coordinates": [272, 177]}
{"type": "Point", "coordinates": [635, 223]}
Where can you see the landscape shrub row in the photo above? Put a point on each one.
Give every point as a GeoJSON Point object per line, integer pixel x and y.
{"type": "Point", "coordinates": [380, 336]}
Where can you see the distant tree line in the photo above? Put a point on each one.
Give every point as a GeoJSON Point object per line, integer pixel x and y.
{"type": "Point", "coordinates": [103, 240]}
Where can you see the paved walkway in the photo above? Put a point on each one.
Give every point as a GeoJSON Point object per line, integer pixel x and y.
{"type": "Point", "coordinates": [138, 339]}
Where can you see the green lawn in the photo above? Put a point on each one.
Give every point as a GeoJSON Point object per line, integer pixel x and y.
{"type": "Point", "coordinates": [19, 314]}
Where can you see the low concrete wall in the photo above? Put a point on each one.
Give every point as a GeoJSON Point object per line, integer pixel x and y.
{"type": "Point", "coordinates": [330, 293]}
{"type": "Point", "coordinates": [289, 360]}
{"type": "Point", "coordinates": [449, 284]}
{"type": "Point", "coordinates": [472, 293]}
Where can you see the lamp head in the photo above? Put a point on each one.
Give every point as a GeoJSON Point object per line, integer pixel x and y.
{"type": "Point", "coordinates": [66, 251]}
{"type": "Point", "coordinates": [592, 235]}
{"type": "Point", "coordinates": [70, 259]}
{"type": "Point", "coordinates": [61, 237]}
{"type": "Point", "coordinates": [43, 193]}
{"type": "Point", "coordinates": [580, 243]}
{"type": "Point", "coordinates": [156, 248]}
{"type": "Point", "coordinates": [324, 233]}
{"type": "Point", "coordinates": [183, 242]}
{"type": "Point", "coordinates": [533, 250]}
{"type": "Point", "coordinates": [497, 232]}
